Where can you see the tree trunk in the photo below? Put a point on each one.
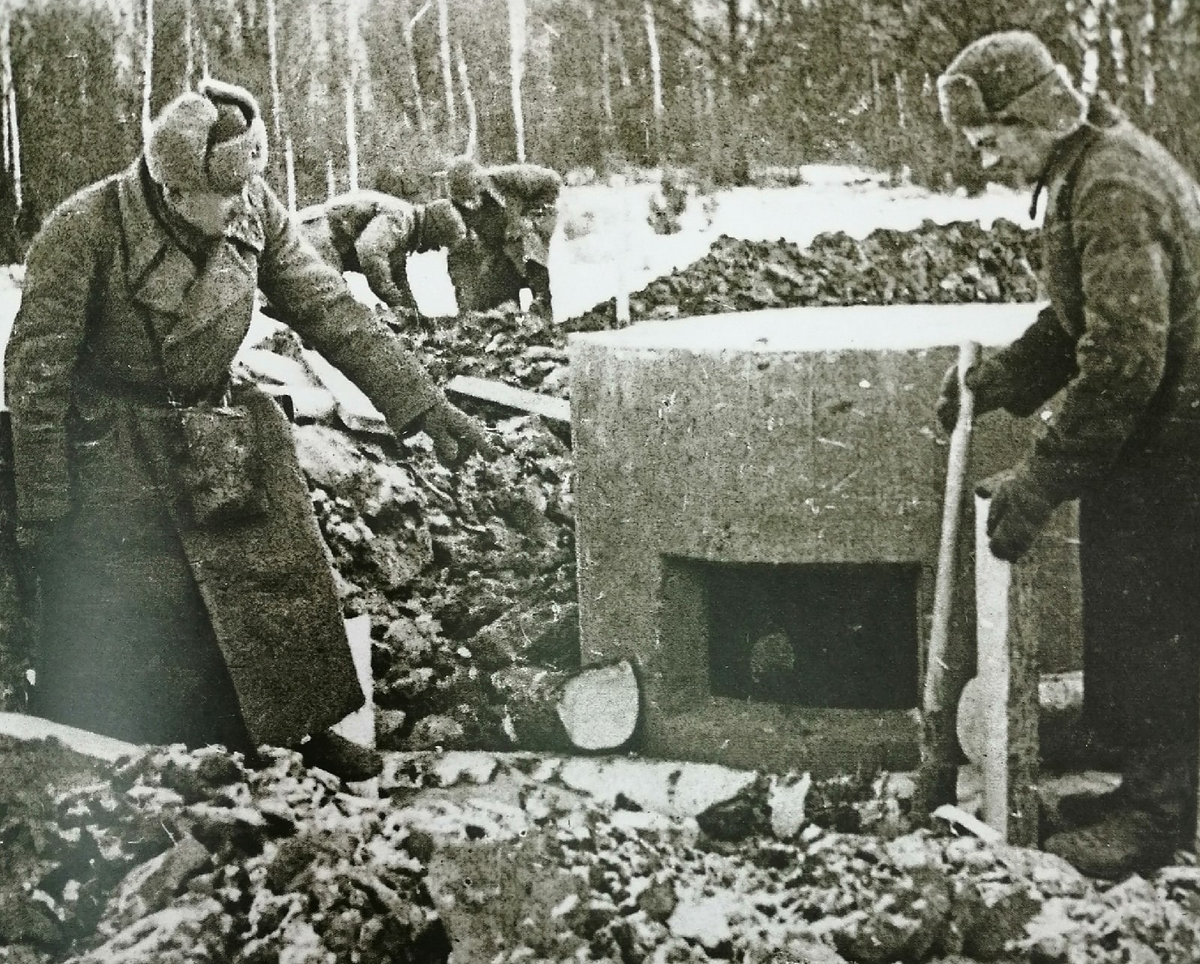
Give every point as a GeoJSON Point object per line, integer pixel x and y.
{"type": "Point", "coordinates": [469, 105]}
{"type": "Point", "coordinates": [410, 54]}
{"type": "Point", "coordinates": [516, 67]}
{"type": "Point", "coordinates": [901, 110]}
{"type": "Point", "coordinates": [289, 162]}
{"type": "Point", "coordinates": [447, 70]}
{"type": "Point", "coordinates": [352, 53]}
{"type": "Point", "coordinates": [189, 44]}
{"type": "Point", "coordinates": [655, 75]}
{"type": "Point", "coordinates": [330, 178]}
{"type": "Point", "coordinates": [13, 142]}
{"type": "Point", "coordinates": [606, 71]}
{"type": "Point", "coordinates": [276, 98]}
{"type": "Point", "coordinates": [147, 71]}
{"type": "Point", "coordinates": [619, 53]}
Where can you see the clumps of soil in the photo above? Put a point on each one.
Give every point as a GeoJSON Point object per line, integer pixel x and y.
{"type": "Point", "coordinates": [956, 263]}
{"type": "Point", "coordinates": [193, 857]}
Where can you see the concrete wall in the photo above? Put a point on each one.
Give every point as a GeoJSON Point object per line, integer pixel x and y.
{"type": "Point", "coordinates": [791, 436]}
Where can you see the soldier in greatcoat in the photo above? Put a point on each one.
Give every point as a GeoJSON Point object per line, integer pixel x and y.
{"type": "Point", "coordinates": [1120, 342]}
{"type": "Point", "coordinates": [184, 592]}
{"type": "Point", "coordinates": [374, 233]}
{"type": "Point", "coordinates": [510, 212]}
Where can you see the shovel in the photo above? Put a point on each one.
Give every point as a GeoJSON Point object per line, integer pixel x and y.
{"type": "Point", "coordinates": [939, 750]}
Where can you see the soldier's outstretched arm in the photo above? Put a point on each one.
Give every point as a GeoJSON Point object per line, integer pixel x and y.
{"type": "Point", "coordinates": [376, 248]}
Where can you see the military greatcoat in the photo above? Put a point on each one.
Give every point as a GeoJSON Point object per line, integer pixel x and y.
{"type": "Point", "coordinates": [1121, 341]}
{"type": "Point", "coordinates": [156, 627]}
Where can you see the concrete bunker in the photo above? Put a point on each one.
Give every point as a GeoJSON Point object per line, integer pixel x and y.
{"type": "Point", "coordinates": [753, 486]}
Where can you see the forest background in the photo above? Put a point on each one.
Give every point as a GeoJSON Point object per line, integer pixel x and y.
{"type": "Point", "coordinates": [380, 93]}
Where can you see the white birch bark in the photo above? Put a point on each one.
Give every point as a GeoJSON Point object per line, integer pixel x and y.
{"type": "Point", "coordinates": [447, 70]}
{"type": "Point", "coordinates": [147, 71]}
{"type": "Point", "coordinates": [464, 79]}
{"type": "Point", "coordinates": [516, 67]}
{"type": "Point", "coordinates": [655, 70]}
{"type": "Point", "coordinates": [352, 94]}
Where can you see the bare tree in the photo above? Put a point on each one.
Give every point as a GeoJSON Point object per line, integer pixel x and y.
{"type": "Point", "coordinates": [516, 66]}
{"type": "Point", "coordinates": [147, 70]}
{"type": "Point", "coordinates": [189, 44]}
{"type": "Point", "coordinates": [464, 79]}
{"type": "Point", "coordinates": [447, 70]}
{"type": "Point", "coordinates": [283, 139]}
{"type": "Point", "coordinates": [12, 141]}
{"type": "Point", "coordinates": [655, 72]}
{"type": "Point", "coordinates": [351, 85]}
{"type": "Point", "coordinates": [410, 54]}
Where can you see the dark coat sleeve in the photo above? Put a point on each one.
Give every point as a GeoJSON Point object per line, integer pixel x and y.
{"type": "Point", "coordinates": [44, 348]}
{"type": "Point", "coordinates": [316, 301]}
{"type": "Point", "coordinates": [532, 186]}
{"type": "Point", "coordinates": [1121, 355]}
{"type": "Point", "coordinates": [381, 250]}
{"type": "Point", "coordinates": [1028, 372]}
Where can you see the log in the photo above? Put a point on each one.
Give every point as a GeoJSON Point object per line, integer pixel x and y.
{"type": "Point", "coordinates": [593, 710]}
{"type": "Point", "coordinates": [24, 727]}
{"type": "Point", "coordinates": [510, 397]}
{"type": "Point", "coordinates": [998, 710]}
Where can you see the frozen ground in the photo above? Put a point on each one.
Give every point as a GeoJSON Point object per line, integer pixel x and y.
{"type": "Point", "coordinates": [604, 240]}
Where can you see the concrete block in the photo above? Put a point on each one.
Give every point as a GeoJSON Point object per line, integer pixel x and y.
{"type": "Point", "coordinates": [785, 438]}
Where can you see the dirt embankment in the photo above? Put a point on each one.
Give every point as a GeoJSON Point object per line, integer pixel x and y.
{"type": "Point", "coordinates": [467, 574]}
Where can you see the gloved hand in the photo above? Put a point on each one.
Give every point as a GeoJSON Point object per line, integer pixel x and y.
{"type": "Point", "coordinates": [1020, 506]}
{"type": "Point", "coordinates": [948, 399]}
{"type": "Point", "coordinates": [455, 434]}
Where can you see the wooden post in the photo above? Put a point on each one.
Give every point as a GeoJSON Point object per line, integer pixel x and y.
{"type": "Point", "coordinates": [999, 708]}
{"type": "Point", "coordinates": [938, 776]}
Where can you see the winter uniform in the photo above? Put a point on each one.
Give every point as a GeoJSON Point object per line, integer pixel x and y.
{"type": "Point", "coordinates": [158, 626]}
{"type": "Point", "coordinates": [510, 224]}
{"type": "Point", "coordinates": [374, 233]}
{"type": "Point", "coordinates": [1121, 341]}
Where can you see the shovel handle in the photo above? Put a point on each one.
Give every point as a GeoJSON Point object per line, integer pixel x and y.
{"type": "Point", "coordinates": [938, 742]}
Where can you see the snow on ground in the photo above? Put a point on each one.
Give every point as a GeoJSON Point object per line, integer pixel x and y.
{"type": "Point", "coordinates": [604, 242]}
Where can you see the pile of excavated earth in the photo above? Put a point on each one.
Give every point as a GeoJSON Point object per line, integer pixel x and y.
{"type": "Point", "coordinates": [481, 841]}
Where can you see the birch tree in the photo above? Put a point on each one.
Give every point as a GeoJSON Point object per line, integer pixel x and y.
{"type": "Point", "coordinates": [468, 96]}
{"type": "Point", "coordinates": [447, 70]}
{"type": "Point", "coordinates": [410, 55]}
{"type": "Point", "coordinates": [147, 71]}
{"type": "Point", "coordinates": [516, 67]}
{"type": "Point", "coordinates": [351, 85]}
{"type": "Point", "coordinates": [283, 139]}
{"type": "Point", "coordinates": [12, 140]}
{"type": "Point", "coordinates": [656, 91]}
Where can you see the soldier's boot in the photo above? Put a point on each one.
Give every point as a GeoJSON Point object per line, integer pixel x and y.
{"type": "Point", "coordinates": [341, 757]}
{"type": "Point", "coordinates": [1140, 825]}
{"type": "Point", "coordinates": [1126, 841]}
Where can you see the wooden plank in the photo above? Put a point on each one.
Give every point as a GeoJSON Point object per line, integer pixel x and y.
{"type": "Point", "coordinates": [511, 397]}
{"type": "Point", "coordinates": [24, 727]}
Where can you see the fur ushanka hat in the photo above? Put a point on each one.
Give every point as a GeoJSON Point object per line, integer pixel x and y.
{"type": "Point", "coordinates": [1009, 76]}
{"type": "Point", "coordinates": [211, 140]}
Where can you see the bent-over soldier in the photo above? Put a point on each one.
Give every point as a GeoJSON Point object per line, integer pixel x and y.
{"type": "Point", "coordinates": [510, 212]}
{"type": "Point", "coordinates": [374, 233]}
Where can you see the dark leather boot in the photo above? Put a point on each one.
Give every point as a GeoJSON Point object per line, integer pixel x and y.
{"type": "Point", "coordinates": [1124, 842]}
{"type": "Point", "coordinates": [1144, 822]}
{"type": "Point", "coordinates": [341, 757]}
